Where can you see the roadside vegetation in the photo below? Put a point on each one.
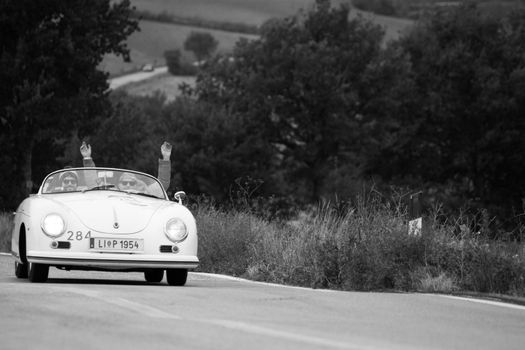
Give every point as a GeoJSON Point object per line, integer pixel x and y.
{"type": "Point", "coordinates": [363, 246]}
{"type": "Point", "coordinates": [6, 226]}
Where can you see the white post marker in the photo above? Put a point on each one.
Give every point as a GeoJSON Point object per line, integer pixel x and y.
{"type": "Point", "coordinates": [415, 221]}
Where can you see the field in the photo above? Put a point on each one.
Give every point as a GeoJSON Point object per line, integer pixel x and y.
{"type": "Point", "coordinates": [148, 45]}
{"type": "Point", "coordinates": [255, 11]}
{"type": "Point", "coordinates": [240, 11]}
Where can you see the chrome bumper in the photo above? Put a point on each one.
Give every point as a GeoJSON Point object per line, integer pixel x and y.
{"type": "Point", "coordinates": [117, 261]}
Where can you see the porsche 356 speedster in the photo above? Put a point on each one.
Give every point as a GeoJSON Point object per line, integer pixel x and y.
{"type": "Point", "coordinates": [104, 219]}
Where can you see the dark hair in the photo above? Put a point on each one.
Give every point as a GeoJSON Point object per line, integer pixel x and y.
{"type": "Point", "coordinates": [68, 173]}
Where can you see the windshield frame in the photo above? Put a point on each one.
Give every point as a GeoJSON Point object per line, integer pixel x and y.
{"type": "Point", "coordinates": [81, 169]}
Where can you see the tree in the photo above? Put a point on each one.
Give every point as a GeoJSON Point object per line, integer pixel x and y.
{"type": "Point", "coordinates": [382, 7]}
{"type": "Point", "coordinates": [48, 67]}
{"type": "Point", "coordinates": [173, 61]}
{"type": "Point", "coordinates": [202, 44]}
{"type": "Point", "coordinates": [311, 85]}
{"type": "Point", "coordinates": [129, 138]}
{"type": "Point", "coordinates": [213, 147]}
{"type": "Point", "coordinates": [463, 124]}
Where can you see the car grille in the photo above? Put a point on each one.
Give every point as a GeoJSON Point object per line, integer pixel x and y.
{"type": "Point", "coordinates": [166, 249]}
{"type": "Point", "coordinates": [169, 249]}
{"type": "Point", "coordinates": [64, 245]}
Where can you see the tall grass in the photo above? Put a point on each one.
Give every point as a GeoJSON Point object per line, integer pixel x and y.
{"type": "Point", "coordinates": [367, 247]}
{"type": "Point", "coordinates": [6, 225]}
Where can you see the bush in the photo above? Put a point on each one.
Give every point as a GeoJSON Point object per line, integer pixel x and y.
{"type": "Point", "coordinates": [176, 66]}
{"type": "Point", "coordinates": [432, 283]}
{"type": "Point", "coordinates": [491, 268]}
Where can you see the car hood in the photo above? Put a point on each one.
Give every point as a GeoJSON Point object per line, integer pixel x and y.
{"type": "Point", "coordinates": [113, 213]}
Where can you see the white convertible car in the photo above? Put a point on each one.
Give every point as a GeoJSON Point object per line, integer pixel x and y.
{"type": "Point", "coordinates": [104, 219]}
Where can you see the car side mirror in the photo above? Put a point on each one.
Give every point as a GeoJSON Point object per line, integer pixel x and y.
{"type": "Point", "coordinates": [180, 196]}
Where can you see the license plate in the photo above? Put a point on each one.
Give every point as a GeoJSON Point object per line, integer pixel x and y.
{"type": "Point", "coordinates": [116, 244]}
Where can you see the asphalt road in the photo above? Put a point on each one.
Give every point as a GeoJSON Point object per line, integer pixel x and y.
{"type": "Point", "coordinates": [96, 310]}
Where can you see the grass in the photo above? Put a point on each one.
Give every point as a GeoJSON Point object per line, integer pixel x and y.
{"type": "Point", "coordinates": [437, 284]}
{"type": "Point", "coordinates": [6, 225]}
{"type": "Point", "coordinates": [365, 248]}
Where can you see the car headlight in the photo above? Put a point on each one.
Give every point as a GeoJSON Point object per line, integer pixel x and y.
{"type": "Point", "coordinates": [53, 225]}
{"type": "Point", "coordinates": [175, 230]}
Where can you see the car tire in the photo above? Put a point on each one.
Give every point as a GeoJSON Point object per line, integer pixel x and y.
{"type": "Point", "coordinates": [38, 272]}
{"type": "Point", "coordinates": [154, 275]}
{"type": "Point", "coordinates": [21, 270]}
{"type": "Point", "coordinates": [176, 277]}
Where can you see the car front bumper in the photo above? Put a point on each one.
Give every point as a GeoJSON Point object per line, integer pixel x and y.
{"type": "Point", "coordinates": [114, 260]}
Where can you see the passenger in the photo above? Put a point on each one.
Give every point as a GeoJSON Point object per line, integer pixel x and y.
{"type": "Point", "coordinates": [129, 182]}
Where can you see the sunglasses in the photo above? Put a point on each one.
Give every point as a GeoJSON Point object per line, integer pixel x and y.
{"type": "Point", "coordinates": [69, 182]}
{"type": "Point", "coordinates": [128, 182]}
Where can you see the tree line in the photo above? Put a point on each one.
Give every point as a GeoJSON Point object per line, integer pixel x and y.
{"type": "Point", "coordinates": [166, 17]}
{"type": "Point", "coordinates": [416, 8]}
{"type": "Point", "coordinates": [318, 108]}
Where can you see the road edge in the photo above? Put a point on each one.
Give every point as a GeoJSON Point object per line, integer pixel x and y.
{"type": "Point", "coordinates": [472, 295]}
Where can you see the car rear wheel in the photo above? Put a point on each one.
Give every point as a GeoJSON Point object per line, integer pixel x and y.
{"type": "Point", "coordinates": [38, 272]}
{"type": "Point", "coordinates": [154, 275]}
{"type": "Point", "coordinates": [20, 270]}
{"type": "Point", "coordinates": [176, 277]}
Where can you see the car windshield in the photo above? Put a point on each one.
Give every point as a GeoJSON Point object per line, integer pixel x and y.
{"type": "Point", "coordinates": [95, 179]}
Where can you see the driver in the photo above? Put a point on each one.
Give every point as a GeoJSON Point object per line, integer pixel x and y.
{"type": "Point", "coordinates": [68, 181]}
{"type": "Point", "coordinates": [164, 174]}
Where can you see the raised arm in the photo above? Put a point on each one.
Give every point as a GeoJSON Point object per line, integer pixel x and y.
{"type": "Point", "coordinates": [164, 175]}
{"type": "Point", "coordinates": [90, 176]}
{"type": "Point", "coordinates": [85, 150]}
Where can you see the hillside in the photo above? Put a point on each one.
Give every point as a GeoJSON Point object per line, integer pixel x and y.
{"type": "Point", "coordinates": [255, 12]}
{"type": "Point", "coordinates": [240, 11]}
{"type": "Point", "coordinates": [148, 45]}
{"type": "Point", "coordinates": [415, 8]}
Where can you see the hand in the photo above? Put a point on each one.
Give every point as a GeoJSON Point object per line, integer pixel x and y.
{"type": "Point", "coordinates": [165, 149]}
{"type": "Point", "coordinates": [85, 150]}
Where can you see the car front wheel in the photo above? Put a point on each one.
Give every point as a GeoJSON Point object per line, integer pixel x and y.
{"type": "Point", "coordinates": [38, 272]}
{"type": "Point", "coordinates": [154, 275]}
{"type": "Point", "coordinates": [20, 270]}
{"type": "Point", "coordinates": [176, 277]}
